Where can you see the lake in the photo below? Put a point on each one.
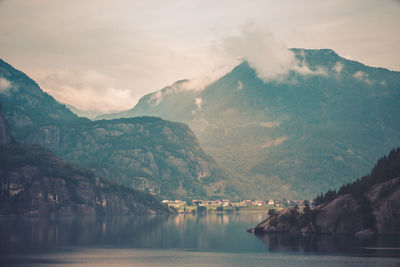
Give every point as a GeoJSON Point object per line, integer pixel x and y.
{"type": "Point", "coordinates": [185, 239]}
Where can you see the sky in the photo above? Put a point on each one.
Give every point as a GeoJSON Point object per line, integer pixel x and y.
{"type": "Point", "coordinates": [104, 55]}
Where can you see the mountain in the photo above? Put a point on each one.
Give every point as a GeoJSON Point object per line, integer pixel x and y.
{"type": "Point", "coordinates": [368, 206]}
{"type": "Point", "coordinates": [91, 114]}
{"type": "Point", "coordinates": [146, 153]}
{"type": "Point", "coordinates": [35, 182]}
{"type": "Point", "coordinates": [293, 136]}
{"type": "Point", "coordinates": [26, 106]}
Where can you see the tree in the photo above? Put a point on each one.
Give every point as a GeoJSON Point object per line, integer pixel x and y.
{"type": "Point", "coordinates": [272, 212]}
{"type": "Point", "coordinates": [284, 202]}
{"type": "Point", "coordinates": [306, 208]}
{"type": "Point", "coordinates": [201, 209]}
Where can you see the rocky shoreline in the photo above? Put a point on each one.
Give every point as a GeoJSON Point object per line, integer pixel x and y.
{"type": "Point", "coordinates": [377, 213]}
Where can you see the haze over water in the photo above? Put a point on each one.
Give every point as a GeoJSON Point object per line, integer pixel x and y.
{"type": "Point", "coordinates": [193, 240]}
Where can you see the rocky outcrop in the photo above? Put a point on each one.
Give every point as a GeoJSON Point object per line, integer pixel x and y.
{"type": "Point", "coordinates": [30, 190]}
{"type": "Point", "coordinates": [282, 222]}
{"type": "Point", "coordinates": [146, 153]}
{"type": "Point", "coordinates": [368, 206]}
{"type": "Point", "coordinates": [5, 135]}
{"type": "Point", "coordinates": [386, 206]}
{"type": "Point", "coordinates": [46, 136]}
{"type": "Point", "coordinates": [378, 212]}
{"type": "Point", "coordinates": [34, 182]}
{"type": "Point", "coordinates": [341, 216]}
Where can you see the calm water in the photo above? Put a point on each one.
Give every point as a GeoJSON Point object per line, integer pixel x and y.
{"type": "Point", "coordinates": [219, 240]}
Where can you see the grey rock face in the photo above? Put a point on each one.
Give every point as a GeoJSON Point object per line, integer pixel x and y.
{"type": "Point", "coordinates": [5, 136]}
{"type": "Point", "coordinates": [147, 153]}
{"type": "Point", "coordinates": [343, 215]}
{"type": "Point", "coordinates": [385, 199]}
{"type": "Point", "coordinates": [340, 216]}
{"type": "Point", "coordinates": [23, 194]}
{"type": "Point", "coordinates": [46, 136]}
{"type": "Point", "coordinates": [35, 182]}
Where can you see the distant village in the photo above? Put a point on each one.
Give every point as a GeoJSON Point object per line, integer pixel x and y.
{"type": "Point", "coordinates": [229, 205]}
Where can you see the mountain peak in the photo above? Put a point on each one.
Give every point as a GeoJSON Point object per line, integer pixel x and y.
{"type": "Point", "coordinates": [278, 126]}
{"type": "Point", "coordinates": [323, 51]}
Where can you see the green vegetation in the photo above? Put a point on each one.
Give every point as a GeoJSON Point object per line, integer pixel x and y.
{"type": "Point", "coordinates": [295, 137]}
{"type": "Point", "coordinates": [219, 208]}
{"type": "Point", "coordinates": [201, 209]}
{"type": "Point", "coordinates": [385, 169]}
{"type": "Point", "coordinates": [272, 212]}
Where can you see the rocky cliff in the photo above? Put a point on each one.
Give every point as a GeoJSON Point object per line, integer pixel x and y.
{"type": "Point", "coordinates": [5, 135]}
{"type": "Point", "coordinates": [343, 215]}
{"type": "Point", "coordinates": [363, 209]}
{"type": "Point", "coordinates": [146, 153]}
{"type": "Point", "coordinates": [33, 181]}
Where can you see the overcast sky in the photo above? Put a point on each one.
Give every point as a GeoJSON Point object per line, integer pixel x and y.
{"type": "Point", "coordinates": [104, 55]}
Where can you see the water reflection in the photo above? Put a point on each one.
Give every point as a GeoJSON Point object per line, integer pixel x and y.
{"type": "Point", "coordinates": [72, 230]}
{"type": "Point", "coordinates": [213, 233]}
{"type": "Point", "coordinates": [388, 246]}
{"type": "Point", "coordinates": [184, 231]}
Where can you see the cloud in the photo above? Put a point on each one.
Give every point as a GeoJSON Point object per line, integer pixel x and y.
{"type": "Point", "coordinates": [362, 76]}
{"type": "Point", "coordinates": [156, 98]}
{"type": "Point", "coordinates": [268, 56]}
{"type": "Point", "coordinates": [145, 45]}
{"type": "Point", "coordinates": [240, 85]}
{"type": "Point", "coordinates": [198, 102]}
{"type": "Point", "coordinates": [195, 84]}
{"type": "Point", "coordinates": [258, 46]}
{"type": "Point", "coordinates": [86, 90]}
{"type": "Point", "coordinates": [5, 85]}
{"type": "Point", "coordinates": [338, 67]}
